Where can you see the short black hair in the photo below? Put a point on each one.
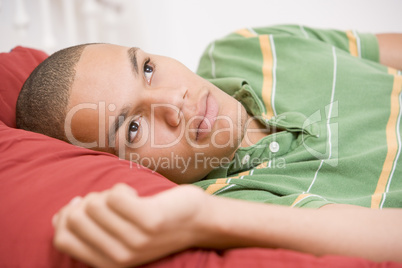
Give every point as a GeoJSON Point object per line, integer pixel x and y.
{"type": "Point", "coordinates": [44, 97]}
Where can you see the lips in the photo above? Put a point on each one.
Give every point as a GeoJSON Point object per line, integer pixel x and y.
{"type": "Point", "coordinates": [208, 114]}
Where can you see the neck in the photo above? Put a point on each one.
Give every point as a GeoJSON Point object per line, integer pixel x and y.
{"type": "Point", "coordinates": [255, 131]}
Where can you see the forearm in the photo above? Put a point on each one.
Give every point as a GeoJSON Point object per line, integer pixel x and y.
{"type": "Point", "coordinates": [119, 228]}
{"type": "Point", "coordinates": [390, 50]}
{"type": "Point", "coordinates": [366, 233]}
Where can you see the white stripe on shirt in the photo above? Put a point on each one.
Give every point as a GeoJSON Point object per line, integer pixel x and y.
{"type": "Point", "coordinates": [398, 153]}
{"type": "Point", "coordinates": [271, 38]}
{"type": "Point", "coordinates": [328, 119]}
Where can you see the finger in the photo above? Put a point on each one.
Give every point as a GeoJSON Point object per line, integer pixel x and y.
{"type": "Point", "coordinates": [73, 246]}
{"type": "Point", "coordinates": [55, 219]}
{"type": "Point", "coordinates": [67, 242]}
{"type": "Point", "coordinates": [124, 188]}
{"type": "Point", "coordinates": [123, 230]}
{"type": "Point", "coordinates": [88, 231]}
{"type": "Point", "coordinates": [124, 201]}
{"type": "Point", "coordinates": [75, 201]}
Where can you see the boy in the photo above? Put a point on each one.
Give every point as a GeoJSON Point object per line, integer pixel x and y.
{"type": "Point", "coordinates": [289, 115]}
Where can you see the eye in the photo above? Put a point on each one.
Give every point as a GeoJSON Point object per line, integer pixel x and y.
{"type": "Point", "coordinates": [133, 128]}
{"type": "Point", "coordinates": [148, 71]}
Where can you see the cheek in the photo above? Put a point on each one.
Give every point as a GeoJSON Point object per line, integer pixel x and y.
{"type": "Point", "coordinates": [173, 163]}
{"type": "Point", "coordinates": [157, 146]}
{"type": "Point", "coordinates": [163, 136]}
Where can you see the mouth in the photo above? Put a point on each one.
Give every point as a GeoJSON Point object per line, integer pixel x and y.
{"type": "Point", "coordinates": [207, 115]}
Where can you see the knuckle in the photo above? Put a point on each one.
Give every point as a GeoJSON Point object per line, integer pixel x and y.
{"type": "Point", "coordinates": [114, 196]}
{"type": "Point", "coordinates": [74, 218]}
{"type": "Point", "coordinates": [119, 186]}
{"type": "Point", "coordinates": [122, 258]}
{"type": "Point", "coordinates": [154, 225]}
{"type": "Point", "coordinates": [94, 205]}
{"type": "Point", "coordinates": [60, 240]}
{"type": "Point", "coordinates": [91, 196]}
{"type": "Point", "coordinates": [138, 243]}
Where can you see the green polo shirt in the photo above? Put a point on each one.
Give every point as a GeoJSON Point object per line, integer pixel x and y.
{"type": "Point", "coordinates": [339, 109]}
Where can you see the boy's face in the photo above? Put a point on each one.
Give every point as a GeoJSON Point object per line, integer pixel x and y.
{"type": "Point", "coordinates": [154, 111]}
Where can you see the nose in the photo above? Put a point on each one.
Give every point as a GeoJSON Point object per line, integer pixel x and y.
{"type": "Point", "coordinates": [167, 104]}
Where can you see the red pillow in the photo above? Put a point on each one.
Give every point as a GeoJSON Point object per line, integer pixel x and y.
{"type": "Point", "coordinates": [14, 68]}
{"type": "Point", "coordinates": [38, 175]}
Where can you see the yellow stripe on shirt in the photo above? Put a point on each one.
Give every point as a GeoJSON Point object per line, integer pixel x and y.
{"type": "Point", "coordinates": [299, 198]}
{"type": "Point", "coordinates": [267, 69]}
{"type": "Point", "coordinates": [246, 33]}
{"type": "Point", "coordinates": [392, 141]}
{"type": "Point", "coordinates": [244, 173]}
{"type": "Point", "coordinates": [353, 49]}
{"type": "Point", "coordinates": [263, 165]}
{"type": "Point", "coordinates": [219, 184]}
{"type": "Point", "coordinates": [267, 72]}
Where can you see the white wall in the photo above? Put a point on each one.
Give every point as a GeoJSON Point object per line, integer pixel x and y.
{"type": "Point", "coordinates": [182, 28]}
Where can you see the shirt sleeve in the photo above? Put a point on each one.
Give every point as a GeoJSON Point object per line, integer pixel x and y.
{"type": "Point", "coordinates": [363, 45]}
{"type": "Point", "coordinates": [237, 191]}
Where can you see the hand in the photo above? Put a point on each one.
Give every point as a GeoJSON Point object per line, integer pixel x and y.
{"type": "Point", "coordinates": [117, 228]}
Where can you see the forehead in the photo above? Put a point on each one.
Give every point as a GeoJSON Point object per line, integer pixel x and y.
{"type": "Point", "coordinates": [102, 71]}
{"type": "Point", "coordinates": [102, 83]}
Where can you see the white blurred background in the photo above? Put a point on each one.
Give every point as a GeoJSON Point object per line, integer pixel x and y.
{"type": "Point", "coordinates": [177, 28]}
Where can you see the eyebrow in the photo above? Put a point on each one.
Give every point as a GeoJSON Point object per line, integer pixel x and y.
{"type": "Point", "coordinates": [132, 54]}
{"type": "Point", "coordinates": [117, 124]}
